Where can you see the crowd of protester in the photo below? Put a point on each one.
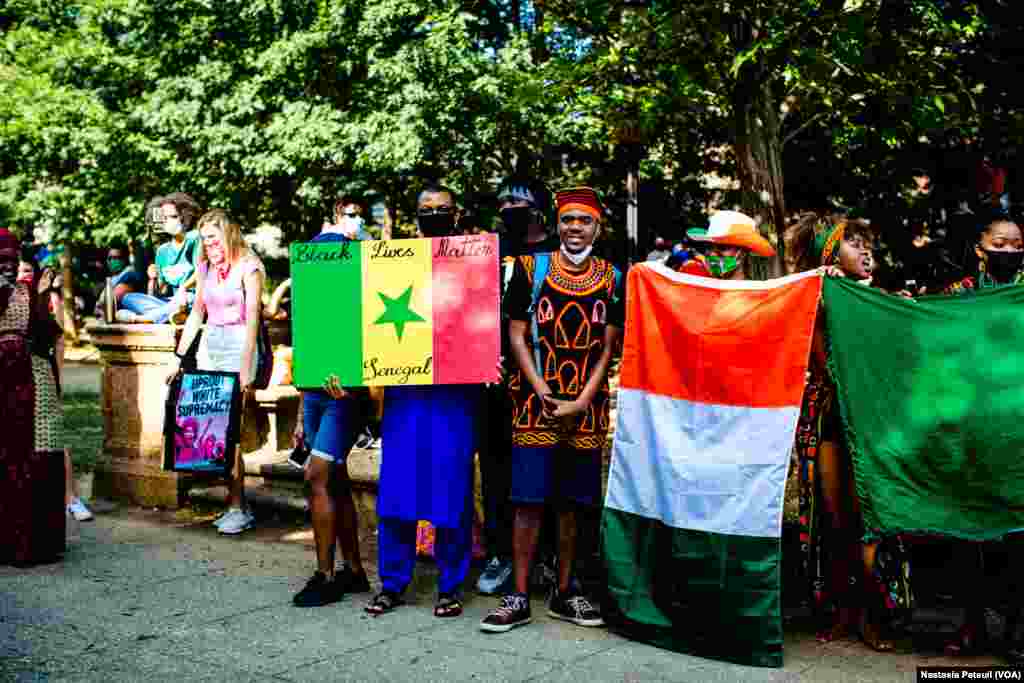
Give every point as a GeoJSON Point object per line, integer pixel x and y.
{"type": "Point", "coordinates": [539, 434]}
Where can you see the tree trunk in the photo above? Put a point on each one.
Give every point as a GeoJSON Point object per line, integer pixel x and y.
{"type": "Point", "coordinates": [759, 159]}
{"type": "Point", "coordinates": [540, 46]}
{"type": "Point", "coordinates": [68, 296]}
{"type": "Point", "coordinates": [758, 131]}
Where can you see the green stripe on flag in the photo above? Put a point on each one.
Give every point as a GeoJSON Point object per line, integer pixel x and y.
{"type": "Point", "coordinates": [327, 308]}
{"type": "Point", "coordinates": [706, 594]}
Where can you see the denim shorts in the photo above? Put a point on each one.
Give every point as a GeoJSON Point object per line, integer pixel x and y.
{"type": "Point", "coordinates": [331, 425]}
{"type": "Point", "coordinates": [556, 474]}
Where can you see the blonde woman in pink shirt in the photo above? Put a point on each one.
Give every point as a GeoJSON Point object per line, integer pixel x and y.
{"type": "Point", "coordinates": [228, 289]}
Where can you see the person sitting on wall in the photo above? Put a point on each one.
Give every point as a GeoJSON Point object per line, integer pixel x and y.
{"type": "Point", "coordinates": [174, 273]}
{"type": "Point", "coordinates": [124, 279]}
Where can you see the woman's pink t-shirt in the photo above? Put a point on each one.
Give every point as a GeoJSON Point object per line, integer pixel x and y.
{"type": "Point", "coordinates": [225, 301]}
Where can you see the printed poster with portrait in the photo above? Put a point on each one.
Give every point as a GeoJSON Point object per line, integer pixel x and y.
{"type": "Point", "coordinates": [203, 415]}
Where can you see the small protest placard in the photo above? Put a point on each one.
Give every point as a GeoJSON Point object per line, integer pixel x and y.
{"type": "Point", "coordinates": [201, 430]}
{"type": "Point", "coordinates": [396, 312]}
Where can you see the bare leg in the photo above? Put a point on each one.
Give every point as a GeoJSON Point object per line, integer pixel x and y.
{"type": "Point", "coordinates": [524, 543]}
{"type": "Point", "coordinates": [321, 503]}
{"type": "Point", "coordinates": [347, 527]}
{"type": "Point", "coordinates": [835, 489]}
{"type": "Point", "coordinates": [70, 488]}
{"type": "Point", "coordinates": [236, 487]}
{"type": "Point", "coordinates": [566, 548]}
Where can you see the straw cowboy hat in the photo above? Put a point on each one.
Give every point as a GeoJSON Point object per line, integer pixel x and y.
{"type": "Point", "coordinates": [733, 229]}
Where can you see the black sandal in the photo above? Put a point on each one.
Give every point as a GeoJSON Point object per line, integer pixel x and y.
{"type": "Point", "coordinates": [384, 602]}
{"type": "Point", "coordinates": [447, 606]}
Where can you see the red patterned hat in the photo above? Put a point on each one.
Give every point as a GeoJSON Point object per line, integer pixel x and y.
{"type": "Point", "coordinates": [579, 199]}
{"type": "Point", "coordinates": [8, 240]}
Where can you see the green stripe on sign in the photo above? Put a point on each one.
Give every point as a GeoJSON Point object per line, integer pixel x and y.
{"type": "Point", "coordinates": [327, 319]}
{"type": "Point", "coordinates": [705, 594]}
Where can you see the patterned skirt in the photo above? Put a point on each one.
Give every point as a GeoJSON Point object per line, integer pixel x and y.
{"type": "Point", "coordinates": [811, 432]}
{"type": "Point", "coordinates": [31, 462]}
{"type": "Point", "coordinates": [890, 588]}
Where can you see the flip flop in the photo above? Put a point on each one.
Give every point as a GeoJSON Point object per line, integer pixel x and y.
{"type": "Point", "coordinates": [384, 602]}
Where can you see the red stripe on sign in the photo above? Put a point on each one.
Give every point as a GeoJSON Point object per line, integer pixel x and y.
{"type": "Point", "coordinates": [462, 352]}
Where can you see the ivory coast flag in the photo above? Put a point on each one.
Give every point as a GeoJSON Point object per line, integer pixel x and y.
{"type": "Point", "coordinates": [396, 312]}
{"type": "Point", "coordinates": [712, 378]}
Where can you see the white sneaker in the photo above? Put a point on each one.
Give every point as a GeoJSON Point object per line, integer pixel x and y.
{"type": "Point", "coordinates": [77, 509]}
{"type": "Point", "coordinates": [236, 522]}
{"type": "Point", "coordinates": [220, 519]}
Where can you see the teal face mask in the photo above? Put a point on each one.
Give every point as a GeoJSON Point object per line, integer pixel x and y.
{"type": "Point", "coordinates": [720, 266]}
{"type": "Point", "coordinates": [115, 265]}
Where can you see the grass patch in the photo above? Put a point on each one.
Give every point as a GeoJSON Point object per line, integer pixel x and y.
{"type": "Point", "coordinates": [83, 429]}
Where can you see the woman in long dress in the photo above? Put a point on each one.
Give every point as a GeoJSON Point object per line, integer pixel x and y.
{"type": "Point", "coordinates": [32, 449]}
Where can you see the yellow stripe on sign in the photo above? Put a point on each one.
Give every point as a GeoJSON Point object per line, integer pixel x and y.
{"type": "Point", "coordinates": [398, 330]}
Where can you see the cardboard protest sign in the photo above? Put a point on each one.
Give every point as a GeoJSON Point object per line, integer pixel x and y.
{"type": "Point", "coordinates": [202, 422]}
{"type": "Point", "coordinates": [396, 312]}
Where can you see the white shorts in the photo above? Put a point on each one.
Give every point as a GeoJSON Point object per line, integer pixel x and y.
{"type": "Point", "coordinates": [220, 349]}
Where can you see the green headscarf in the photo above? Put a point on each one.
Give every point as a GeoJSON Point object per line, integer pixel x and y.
{"type": "Point", "coordinates": [826, 244]}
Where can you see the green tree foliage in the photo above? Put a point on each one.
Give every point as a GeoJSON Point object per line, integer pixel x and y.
{"type": "Point", "coordinates": [865, 78]}
{"type": "Point", "coordinates": [268, 107]}
{"type": "Point", "coordinates": [272, 108]}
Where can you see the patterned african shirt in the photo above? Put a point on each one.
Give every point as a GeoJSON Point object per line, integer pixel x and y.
{"type": "Point", "coordinates": [572, 313]}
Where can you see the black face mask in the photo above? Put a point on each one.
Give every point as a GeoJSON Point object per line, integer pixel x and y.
{"type": "Point", "coordinates": [516, 220]}
{"type": "Point", "coordinates": [1003, 266]}
{"type": "Point", "coordinates": [436, 224]}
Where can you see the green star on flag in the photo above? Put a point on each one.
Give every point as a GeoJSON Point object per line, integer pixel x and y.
{"type": "Point", "coordinates": [397, 312]}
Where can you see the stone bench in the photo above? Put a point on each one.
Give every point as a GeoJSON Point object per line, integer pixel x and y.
{"type": "Point", "coordinates": [134, 359]}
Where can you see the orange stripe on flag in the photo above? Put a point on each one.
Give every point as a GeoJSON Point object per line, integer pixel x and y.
{"type": "Point", "coordinates": [719, 342]}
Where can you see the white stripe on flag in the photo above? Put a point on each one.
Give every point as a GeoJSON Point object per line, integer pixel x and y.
{"type": "Point", "coordinates": [714, 468]}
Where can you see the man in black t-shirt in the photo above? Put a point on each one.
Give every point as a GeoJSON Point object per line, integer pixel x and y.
{"type": "Point", "coordinates": [523, 205]}
{"type": "Point", "coordinates": [566, 311]}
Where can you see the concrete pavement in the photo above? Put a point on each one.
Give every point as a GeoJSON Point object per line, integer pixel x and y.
{"type": "Point", "coordinates": [158, 596]}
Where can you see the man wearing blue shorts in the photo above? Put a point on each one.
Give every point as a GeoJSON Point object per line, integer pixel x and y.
{"type": "Point", "coordinates": [331, 421]}
{"type": "Point", "coordinates": [566, 313]}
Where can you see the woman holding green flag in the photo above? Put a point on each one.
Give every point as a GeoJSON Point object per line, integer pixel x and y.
{"type": "Point", "coordinates": [1000, 253]}
{"type": "Point", "coordinates": [999, 250]}
{"type": "Point", "coordinates": [843, 574]}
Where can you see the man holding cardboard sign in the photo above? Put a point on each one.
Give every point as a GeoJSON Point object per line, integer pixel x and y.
{"type": "Point", "coordinates": [412, 313]}
{"type": "Point", "coordinates": [429, 432]}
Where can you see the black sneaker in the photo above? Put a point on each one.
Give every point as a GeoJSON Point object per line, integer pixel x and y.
{"type": "Point", "coordinates": [574, 607]}
{"type": "Point", "coordinates": [318, 592]}
{"type": "Point", "coordinates": [514, 610]}
{"type": "Point", "coordinates": [350, 582]}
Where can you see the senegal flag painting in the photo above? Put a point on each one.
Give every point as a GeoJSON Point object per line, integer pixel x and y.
{"type": "Point", "coordinates": [713, 373]}
{"type": "Point", "coordinates": [396, 312]}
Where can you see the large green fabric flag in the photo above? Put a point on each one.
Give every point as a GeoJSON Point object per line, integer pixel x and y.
{"type": "Point", "coordinates": [932, 397]}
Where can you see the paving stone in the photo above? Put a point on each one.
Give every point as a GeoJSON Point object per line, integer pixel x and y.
{"type": "Point", "coordinates": [414, 658]}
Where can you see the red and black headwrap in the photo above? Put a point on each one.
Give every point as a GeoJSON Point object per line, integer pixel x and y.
{"type": "Point", "coordinates": [579, 199]}
{"type": "Point", "coordinates": [8, 241]}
